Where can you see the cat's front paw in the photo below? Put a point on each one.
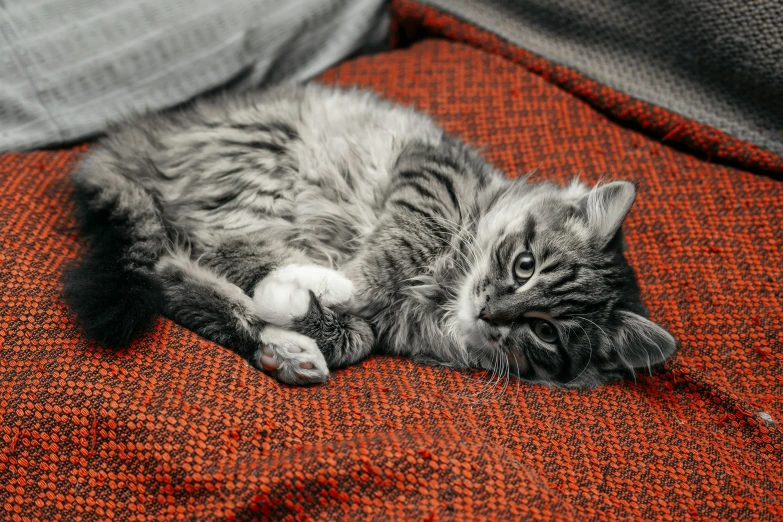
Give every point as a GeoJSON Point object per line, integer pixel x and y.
{"type": "Point", "coordinates": [283, 296]}
{"type": "Point", "coordinates": [330, 286]}
{"type": "Point", "coordinates": [291, 358]}
{"type": "Point", "coordinates": [280, 303]}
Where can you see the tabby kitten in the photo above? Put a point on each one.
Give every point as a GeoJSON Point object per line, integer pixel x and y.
{"type": "Point", "coordinates": [305, 227]}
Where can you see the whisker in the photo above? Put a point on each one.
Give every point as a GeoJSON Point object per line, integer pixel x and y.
{"type": "Point", "coordinates": [589, 357]}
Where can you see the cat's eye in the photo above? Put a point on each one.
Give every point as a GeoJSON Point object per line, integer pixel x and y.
{"type": "Point", "coordinates": [524, 266]}
{"type": "Point", "coordinates": [545, 331]}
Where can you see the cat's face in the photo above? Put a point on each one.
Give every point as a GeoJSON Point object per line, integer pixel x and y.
{"type": "Point", "coordinates": [550, 296]}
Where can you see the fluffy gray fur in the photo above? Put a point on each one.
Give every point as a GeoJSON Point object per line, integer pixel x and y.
{"type": "Point", "coordinates": [322, 224]}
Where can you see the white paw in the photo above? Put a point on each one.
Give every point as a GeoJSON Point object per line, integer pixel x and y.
{"type": "Point", "coordinates": [280, 303]}
{"type": "Point", "coordinates": [291, 358]}
{"type": "Point", "coordinates": [331, 286]}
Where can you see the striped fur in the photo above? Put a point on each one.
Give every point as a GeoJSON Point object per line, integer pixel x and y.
{"type": "Point", "coordinates": [189, 213]}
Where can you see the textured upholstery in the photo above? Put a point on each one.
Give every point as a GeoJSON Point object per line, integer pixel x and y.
{"type": "Point", "coordinates": [177, 427]}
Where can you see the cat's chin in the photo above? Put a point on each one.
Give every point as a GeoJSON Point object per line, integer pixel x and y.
{"type": "Point", "coordinates": [481, 339]}
{"type": "Point", "coordinates": [473, 339]}
{"type": "Point", "coordinates": [484, 342]}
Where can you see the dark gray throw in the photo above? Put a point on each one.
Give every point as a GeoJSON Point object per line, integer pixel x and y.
{"type": "Point", "coordinates": [719, 62]}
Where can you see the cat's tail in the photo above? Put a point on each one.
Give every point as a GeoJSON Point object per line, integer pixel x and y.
{"type": "Point", "coordinates": [113, 289]}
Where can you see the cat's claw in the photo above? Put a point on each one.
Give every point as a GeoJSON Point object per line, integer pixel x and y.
{"type": "Point", "coordinates": [292, 358]}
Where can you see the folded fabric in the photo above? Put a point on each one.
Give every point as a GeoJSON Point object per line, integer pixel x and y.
{"type": "Point", "coordinates": [70, 67]}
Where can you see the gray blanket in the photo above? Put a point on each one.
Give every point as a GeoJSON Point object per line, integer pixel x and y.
{"type": "Point", "coordinates": [68, 67]}
{"type": "Point", "coordinates": [719, 62]}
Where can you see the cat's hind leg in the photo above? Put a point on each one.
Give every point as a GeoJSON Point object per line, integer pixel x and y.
{"type": "Point", "coordinates": [220, 311]}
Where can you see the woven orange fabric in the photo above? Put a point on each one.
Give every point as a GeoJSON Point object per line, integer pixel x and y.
{"type": "Point", "coordinates": [178, 427]}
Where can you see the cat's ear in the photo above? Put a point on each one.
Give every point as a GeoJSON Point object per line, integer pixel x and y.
{"type": "Point", "coordinates": [606, 206]}
{"type": "Point", "coordinates": [640, 343]}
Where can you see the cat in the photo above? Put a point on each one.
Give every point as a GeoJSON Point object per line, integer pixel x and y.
{"type": "Point", "coordinates": [307, 226]}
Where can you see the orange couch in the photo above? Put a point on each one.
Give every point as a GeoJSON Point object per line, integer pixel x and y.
{"type": "Point", "coordinates": [177, 427]}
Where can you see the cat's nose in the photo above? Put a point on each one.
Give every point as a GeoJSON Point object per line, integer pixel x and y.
{"type": "Point", "coordinates": [485, 316]}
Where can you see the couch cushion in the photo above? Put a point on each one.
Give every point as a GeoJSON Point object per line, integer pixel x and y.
{"type": "Point", "coordinates": [177, 426]}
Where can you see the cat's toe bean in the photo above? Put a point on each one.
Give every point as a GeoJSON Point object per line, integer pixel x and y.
{"type": "Point", "coordinates": [292, 358]}
{"type": "Point", "coordinates": [270, 364]}
{"type": "Point", "coordinates": [267, 359]}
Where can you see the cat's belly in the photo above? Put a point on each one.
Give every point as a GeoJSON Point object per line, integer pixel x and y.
{"type": "Point", "coordinates": [315, 178]}
{"type": "Point", "coordinates": [326, 212]}
{"type": "Point", "coordinates": [331, 225]}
